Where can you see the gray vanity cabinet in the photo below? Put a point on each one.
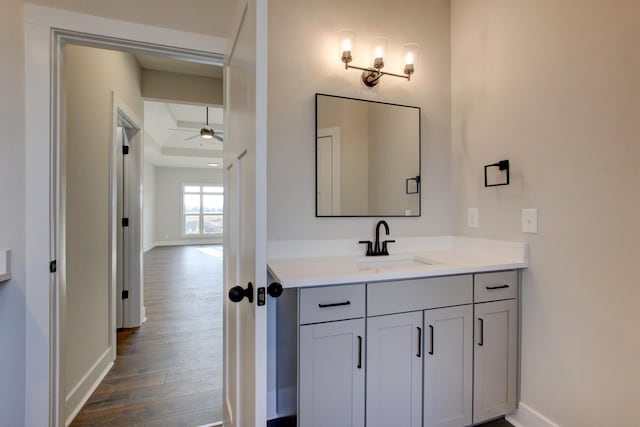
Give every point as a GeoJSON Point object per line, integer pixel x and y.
{"type": "Point", "coordinates": [448, 363]}
{"type": "Point", "coordinates": [394, 370]}
{"type": "Point", "coordinates": [495, 345]}
{"type": "Point", "coordinates": [331, 382]}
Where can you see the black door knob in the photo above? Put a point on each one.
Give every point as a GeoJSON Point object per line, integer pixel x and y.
{"type": "Point", "coordinates": [274, 289]}
{"type": "Point", "coordinates": [237, 293]}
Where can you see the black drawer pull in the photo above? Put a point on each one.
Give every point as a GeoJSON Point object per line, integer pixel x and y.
{"type": "Point", "coordinates": [431, 339]}
{"type": "Point", "coordinates": [491, 288]}
{"type": "Point", "coordinates": [335, 304]}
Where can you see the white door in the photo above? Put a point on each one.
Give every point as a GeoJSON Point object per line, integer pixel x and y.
{"type": "Point", "coordinates": [447, 366]}
{"type": "Point", "coordinates": [394, 370]}
{"type": "Point", "coordinates": [332, 374]}
{"type": "Point", "coordinates": [245, 364]}
{"type": "Point", "coordinates": [495, 359]}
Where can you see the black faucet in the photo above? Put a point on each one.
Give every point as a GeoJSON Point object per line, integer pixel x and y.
{"type": "Point", "coordinates": [376, 249]}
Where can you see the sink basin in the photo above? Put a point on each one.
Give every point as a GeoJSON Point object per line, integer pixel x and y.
{"type": "Point", "coordinates": [389, 262]}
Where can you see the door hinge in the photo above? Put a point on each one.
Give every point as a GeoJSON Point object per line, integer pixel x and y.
{"type": "Point", "coordinates": [52, 266]}
{"type": "Point", "coordinates": [125, 294]}
{"type": "Point", "coordinates": [125, 222]}
{"type": "Point", "coordinates": [125, 149]}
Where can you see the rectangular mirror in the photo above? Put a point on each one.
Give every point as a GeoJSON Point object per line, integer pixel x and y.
{"type": "Point", "coordinates": [367, 158]}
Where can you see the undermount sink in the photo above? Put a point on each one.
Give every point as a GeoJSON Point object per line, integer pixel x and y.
{"type": "Point", "coordinates": [388, 262]}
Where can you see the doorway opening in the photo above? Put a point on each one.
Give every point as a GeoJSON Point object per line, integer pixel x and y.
{"type": "Point", "coordinates": [122, 189]}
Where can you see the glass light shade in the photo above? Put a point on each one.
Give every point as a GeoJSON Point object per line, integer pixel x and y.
{"type": "Point", "coordinates": [379, 47]}
{"type": "Point", "coordinates": [347, 40]}
{"type": "Point", "coordinates": [410, 52]}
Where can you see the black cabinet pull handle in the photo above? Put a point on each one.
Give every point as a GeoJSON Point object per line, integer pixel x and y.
{"type": "Point", "coordinates": [481, 342]}
{"type": "Point", "coordinates": [490, 288]}
{"type": "Point", "coordinates": [419, 341]}
{"type": "Point", "coordinates": [431, 339]}
{"type": "Point", "coordinates": [359, 352]}
{"type": "Point", "coordinates": [335, 304]}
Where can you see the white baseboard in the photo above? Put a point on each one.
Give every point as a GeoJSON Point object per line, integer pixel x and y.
{"type": "Point", "coordinates": [77, 397]}
{"type": "Point", "coordinates": [183, 242]}
{"type": "Point", "coordinates": [143, 314]}
{"type": "Point", "coordinates": [526, 416]}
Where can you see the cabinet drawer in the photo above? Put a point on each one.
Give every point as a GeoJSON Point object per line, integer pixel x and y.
{"type": "Point", "coordinates": [418, 294]}
{"type": "Point", "coordinates": [331, 303]}
{"type": "Point", "coordinates": [495, 286]}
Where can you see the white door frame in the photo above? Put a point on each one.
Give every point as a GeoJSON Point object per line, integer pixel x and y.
{"type": "Point", "coordinates": [133, 308]}
{"type": "Point", "coordinates": [336, 167]}
{"type": "Point", "coordinates": [45, 29]}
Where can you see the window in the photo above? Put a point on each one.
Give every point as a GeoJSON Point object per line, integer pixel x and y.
{"type": "Point", "coordinates": [202, 209]}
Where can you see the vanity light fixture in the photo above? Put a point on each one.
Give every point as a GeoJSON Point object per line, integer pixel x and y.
{"type": "Point", "coordinates": [371, 75]}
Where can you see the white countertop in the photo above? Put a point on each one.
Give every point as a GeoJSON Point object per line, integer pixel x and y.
{"type": "Point", "coordinates": [317, 263]}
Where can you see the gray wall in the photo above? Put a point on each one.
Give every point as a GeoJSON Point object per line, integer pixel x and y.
{"type": "Point", "coordinates": [553, 87]}
{"type": "Point", "coordinates": [90, 78]}
{"type": "Point", "coordinates": [308, 32]}
{"type": "Point", "coordinates": [168, 204]}
{"type": "Point", "coordinates": [12, 213]}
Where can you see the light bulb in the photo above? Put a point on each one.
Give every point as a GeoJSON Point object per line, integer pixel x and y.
{"type": "Point", "coordinates": [379, 52]}
{"type": "Point", "coordinates": [346, 45]}
{"type": "Point", "coordinates": [409, 58]}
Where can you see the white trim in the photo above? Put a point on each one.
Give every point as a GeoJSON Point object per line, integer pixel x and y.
{"type": "Point", "coordinates": [106, 27]}
{"type": "Point", "coordinates": [42, 397]}
{"type": "Point", "coordinates": [75, 400]}
{"type": "Point", "coordinates": [5, 265]}
{"type": "Point", "coordinates": [526, 416]}
{"type": "Point", "coordinates": [132, 268]}
{"type": "Point", "coordinates": [192, 242]}
{"type": "Point", "coordinates": [336, 168]}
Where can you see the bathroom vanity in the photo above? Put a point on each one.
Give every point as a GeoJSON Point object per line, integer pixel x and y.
{"type": "Point", "coordinates": [427, 336]}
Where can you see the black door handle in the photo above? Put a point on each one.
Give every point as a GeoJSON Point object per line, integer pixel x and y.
{"type": "Point", "coordinates": [481, 341]}
{"type": "Point", "coordinates": [359, 352]}
{"type": "Point", "coordinates": [419, 354]}
{"type": "Point", "coordinates": [237, 293]}
{"type": "Point", "coordinates": [274, 289]}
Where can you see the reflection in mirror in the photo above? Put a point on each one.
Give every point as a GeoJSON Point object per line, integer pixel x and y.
{"type": "Point", "coordinates": [367, 158]}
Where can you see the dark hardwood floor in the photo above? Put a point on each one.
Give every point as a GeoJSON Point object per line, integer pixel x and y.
{"type": "Point", "coordinates": [169, 371]}
{"type": "Point", "coordinates": [500, 422]}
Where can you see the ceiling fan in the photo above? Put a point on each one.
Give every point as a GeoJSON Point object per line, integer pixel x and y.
{"type": "Point", "coordinates": [206, 132]}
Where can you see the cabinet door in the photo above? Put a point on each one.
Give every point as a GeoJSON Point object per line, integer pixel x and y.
{"type": "Point", "coordinates": [495, 359]}
{"type": "Point", "coordinates": [394, 370]}
{"type": "Point", "coordinates": [448, 366]}
{"type": "Point", "coordinates": [332, 374]}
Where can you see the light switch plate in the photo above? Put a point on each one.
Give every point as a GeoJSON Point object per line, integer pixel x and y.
{"type": "Point", "coordinates": [472, 218]}
{"type": "Point", "coordinates": [530, 221]}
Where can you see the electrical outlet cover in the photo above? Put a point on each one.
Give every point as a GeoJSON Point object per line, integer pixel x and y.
{"type": "Point", "coordinates": [530, 221]}
{"type": "Point", "coordinates": [472, 218]}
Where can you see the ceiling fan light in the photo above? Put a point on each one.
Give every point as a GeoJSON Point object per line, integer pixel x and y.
{"type": "Point", "coordinates": [206, 133]}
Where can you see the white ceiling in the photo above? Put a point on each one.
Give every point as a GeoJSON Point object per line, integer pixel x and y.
{"type": "Point", "coordinates": [168, 125]}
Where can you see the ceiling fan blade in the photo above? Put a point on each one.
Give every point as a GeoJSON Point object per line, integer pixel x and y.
{"type": "Point", "coordinates": [218, 136]}
{"type": "Point", "coordinates": [184, 130]}
{"type": "Point", "coordinates": [192, 137]}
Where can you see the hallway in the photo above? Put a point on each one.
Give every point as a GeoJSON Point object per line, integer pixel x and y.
{"type": "Point", "coordinates": [169, 371]}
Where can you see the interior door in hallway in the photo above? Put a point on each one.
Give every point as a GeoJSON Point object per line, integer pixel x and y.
{"type": "Point", "coordinates": [245, 364]}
